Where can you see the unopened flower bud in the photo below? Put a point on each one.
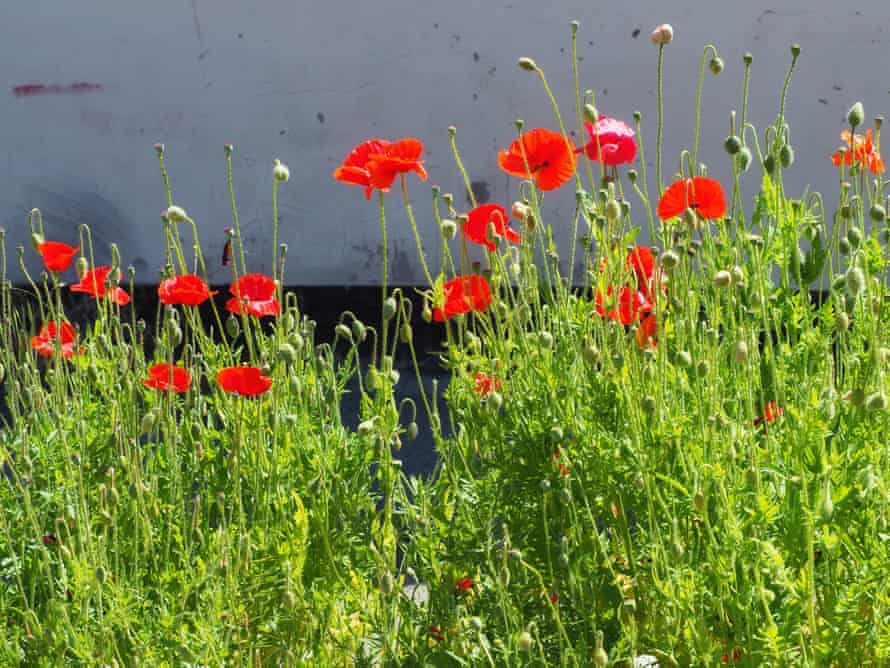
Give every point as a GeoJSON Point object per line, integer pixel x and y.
{"type": "Point", "coordinates": [100, 575]}
{"type": "Point", "coordinates": [527, 64]}
{"type": "Point", "coordinates": [449, 229]}
{"type": "Point", "coordinates": [738, 275]}
{"type": "Point", "coordinates": [748, 58]}
{"type": "Point", "coordinates": [613, 210]}
{"type": "Point", "coordinates": [590, 113]}
{"type": "Point", "coordinates": [343, 332]}
{"type": "Point", "coordinates": [854, 237]}
{"type": "Point", "coordinates": [786, 156]}
{"type": "Point", "coordinates": [795, 50]}
{"type": "Point", "coordinates": [546, 340]}
{"type": "Point", "coordinates": [648, 405]}
{"type": "Point", "coordinates": [233, 327]}
{"type": "Point", "coordinates": [716, 65]}
{"type": "Point", "coordinates": [405, 333]}
{"type": "Point", "coordinates": [855, 280]}
{"type": "Point", "coordinates": [744, 158]}
{"type": "Point", "coordinates": [843, 245]}
{"type": "Point", "coordinates": [876, 401]}
{"type": "Point", "coordinates": [176, 214]}
{"type": "Point", "coordinates": [525, 642]}
{"type": "Point", "coordinates": [389, 308]}
{"type": "Point", "coordinates": [669, 260]}
{"type": "Point", "coordinates": [36, 240]}
{"type": "Point", "coordinates": [81, 267]}
{"type": "Point", "coordinates": [856, 115]}
{"type": "Point", "coordinates": [147, 423]}
{"type": "Point", "coordinates": [683, 359]}
{"type": "Point", "coordinates": [280, 172]}
{"type": "Point", "coordinates": [732, 144]}
{"type": "Point", "coordinates": [877, 213]}
{"type": "Point", "coordinates": [632, 175]}
{"type": "Point", "coordinates": [494, 401]}
{"type": "Point", "coordinates": [769, 165]}
{"type": "Point", "coordinates": [590, 353]}
{"type": "Point", "coordinates": [856, 396]}
{"type": "Point", "coordinates": [722, 279]}
{"type": "Point", "coordinates": [520, 210]}
{"type": "Point", "coordinates": [286, 354]}
{"type": "Point", "coordinates": [662, 35]}
{"type": "Point", "coordinates": [740, 352]}
{"type": "Point", "coordinates": [365, 428]}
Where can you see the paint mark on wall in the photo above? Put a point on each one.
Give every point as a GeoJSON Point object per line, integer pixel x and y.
{"type": "Point", "coordinates": [32, 89]}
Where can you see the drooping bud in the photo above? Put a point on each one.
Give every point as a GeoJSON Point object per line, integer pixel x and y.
{"type": "Point", "coordinates": [854, 237]}
{"type": "Point", "coordinates": [738, 275]}
{"type": "Point", "coordinates": [744, 158]}
{"type": "Point", "coordinates": [527, 64]}
{"type": "Point", "coordinates": [176, 214]}
{"type": "Point", "coordinates": [81, 267]}
{"type": "Point", "coordinates": [683, 359]}
{"type": "Point", "coordinates": [876, 401]}
{"type": "Point", "coordinates": [389, 308]}
{"type": "Point", "coordinates": [877, 213]}
{"type": "Point", "coordinates": [613, 210]}
{"type": "Point", "coordinates": [525, 642]}
{"type": "Point", "coordinates": [769, 165]}
{"type": "Point", "coordinates": [855, 280]}
{"type": "Point", "coordinates": [786, 156]}
{"type": "Point", "coordinates": [343, 332]}
{"type": "Point", "coordinates": [233, 327]}
{"type": "Point", "coordinates": [732, 144]}
{"type": "Point", "coordinates": [449, 229]}
{"type": "Point", "coordinates": [287, 354]}
{"type": "Point", "coordinates": [740, 352]}
{"type": "Point", "coordinates": [662, 35]}
{"type": "Point", "coordinates": [722, 279]}
{"type": "Point", "coordinates": [669, 260]}
{"type": "Point", "coordinates": [591, 114]}
{"type": "Point", "coordinates": [520, 210]}
{"type": "Point", "coordinates": [716, 65]}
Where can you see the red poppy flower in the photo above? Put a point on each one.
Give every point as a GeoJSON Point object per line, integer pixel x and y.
{"type": "Point", "coordinates": [550, 157]}
{"type": "Point", "coordinates": [859, 150]}
{"type": "Point", "coordinates": [702, 195]}
{"type": "Point", "coordinates": [52, 334]}
{"type": "Point", "coordinates": [436, 633]}
{"type": "Point", "coordinates": [647, 331]}
{"type": "Point", "coordinates": [399, 157]}
{"type": "Point", "coordinates": [611, 142]}
{"type": "Point", "coordinates": [56, 255]}
{"type": "Point", "coordinates": [464, 586]}
{"type": "Point", "coordinates": [771, 412]}
{"type": "Point", "coordinates": [93, 283]}
{"type": "Point", "coordinates": [463, 294]}
{"type": "Point", "coordinates": [486, 384]}
{"type": "Point", "coordinates": [354, 168]}
{"type": "Point", "coordinates": [476, 227]}
{"type": "Point", "coordinates": [246, 381]}
{"type": "Point", "coordinates": [631, 305]}
{"type": "Point", "coordinates": [166, 377]}
{"type": "Point", "coordinates": [49, 539]}
{"type": "Point", "coordinates": [188, 290]}
{"type": "Point", "coordinates": [254, 294]}
{"type": "Point", "coordinates": [642, 261]}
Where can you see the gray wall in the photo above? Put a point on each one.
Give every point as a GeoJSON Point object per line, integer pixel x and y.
{"type": "Point", "coordinates": [305, 81]}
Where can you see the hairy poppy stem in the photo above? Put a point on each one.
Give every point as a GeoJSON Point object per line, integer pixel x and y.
{"type": "Point", "coordinates": [659, 123]}
{"type": "Point", "coordinates": [410, 212]}
{"type": "Point", "coordinates": [701, 83]}
{"type": "Point", "coordinates": [235, 221]}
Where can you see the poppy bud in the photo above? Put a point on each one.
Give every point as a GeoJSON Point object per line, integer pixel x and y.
{"type": "Point", "coordinates": [786, 156]}
{"type": "Point", "coordinates": [405, 333]}
{"type": "Point", "coordinates": [855, 281]}
{"type": "Point", "coordinates": [856, 396]}
{"type": "Point", "coordinates": [233, 327]}
{"type": "Point", "coordinates": [722, 279]}
{"type": "Point", "coordinates": [286, 354]}
{"type": "Point", "coordinates": [843, 245]}
{"type": "Point", "coordinates": [100, 575]}
{"type": "Point", "coordinates": [856, 115]}
{"type": "Point", "coordinates": [648, 405]}
{"type": "Point", "coordinates": [521, 210]}
{"type": "Point", "coordinates": [741, 352]}
{"type": "Point", "coordinates": [877, 213]}
{"type": "Point", "coordinates": [591, 114]}
{"type": "Point", "coordinates": [36, 240]}
{"type": "Point", "coordinates": [527, 64]}
{"type": "Point", "coordinates": [386, 583]}
{"type": "Point", "coordinates": [699, 502]}
{"type": "Point", "coordinates": [81, 267]}
{"type": "Point", "coordinates": [744, 158]}
{"type": "Point", "coordinates": [590, 353]}
{"type": "Point", "coordinates": [738, 275]}
{"type": "Point", "coordinates": [854, 237]}
{"type": "Point", "coordinates": [683, 359]}
{"type": "Point", "coordinates": [826, 510]}
{"type": "Point", "coordinates": [449, 229]}
{"type": "Point", "coordinates": [159, 149]}
{"type": "Point", "coordinates": [795, 50]}
{"type": "Point", "coordinates": [669, 260]}
{"type": "Point", "coordinates": [176, 214]}
{"type": "Point", "coordinates": [296, 341]}
{"type": "Point", "coordinates": [389, 308]}
{"type": "Point", "coordinates": [690, 218]}
{"type": "Point", "coordinates": [747, 58]}
{"type": "Point", "coordinates": [876, 401]}
{"type": "Point", "coordinates": [343, 332]}
{"type": "Point", "coordinates": [174, 332]}
{"type": "Point", "coordinates": [556, 434]}
{"type": "Point", "coordinates": [494, 401]}
{"type": "Point", "coordinates": [426, 313]}
{"type": "Point", "coordinates": [632, 175]}
{"type": "Point", "coordinates": [546, 339]}
{"type": "Point", "coordinates": [702, 368]}
{"type": "Point", "coordinates": [280, 172]}
{"type": "Point", "coordinates": [732, 144]}
{"type": "Point", "coordinates": [412, 430]}
{"type": "Point", "coordinates": [716, 65]}
{"type": "Point", "coordinates": [662, 35]}
{"type": "Point", "coordinates": [769, 165]}
{"type": "Point", "coordinates": [525, 642]}
{"type": "Point", "coordinates": [365, 428]}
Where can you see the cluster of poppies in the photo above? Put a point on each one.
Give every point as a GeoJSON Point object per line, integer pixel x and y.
{"type": "Point", "coordinates": [252, 294]}
{"type": "Point", "coordinates": [549, 160]}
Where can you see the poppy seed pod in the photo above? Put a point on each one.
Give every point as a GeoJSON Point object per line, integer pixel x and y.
{"type": "Point", "coordinates": [176, 214]}
{"type": "Point", "coordinates": [449, 229]}
{"type": "Point", "coordinates": [716, 65]}
{"type": "Point", "coordinates": [280, 172]}
{"type": "Point", "coordinates": [662, 35]}
{"type": "Point", "coordinates": [856, 115]}
{"type": "Point", "coordinates": [527, 64]}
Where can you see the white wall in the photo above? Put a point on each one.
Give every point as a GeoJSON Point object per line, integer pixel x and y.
{"type": "Point", "coordinates": [305, 81]}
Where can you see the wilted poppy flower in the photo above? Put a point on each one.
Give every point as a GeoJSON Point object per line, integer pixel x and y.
{"type": "Point", "coordinates": [166, 377]}
{"type": "Point", "coordinates": [464, 586]}
{"type": "Point", "coordinates": [463, 294]}
{"type": "Point", "coordinates": [56, 255]}
{"type": "Point", "coordinates": [701, 194]}
{"type": "Point", "coordinates": [398, 157]}
{"type": "Point", "coordinates": [631, 304]}
{"type": "Point", "coordinates": [550, 158]}
{"type": "Point", "coordinates": [860, 151]}
{"type": "Point", "coordinates": [771, 412]}
{"type": "Point", "coordinates": [611, 142]}
{"type": "Point", "coordinates": [247, 381]}
{"type": "Point", "coordinates": [647, 331]}
{"type": "Point", "coordinates": [486, 384]}
{"type": "Point", "coordinates": [93, 283]}
{"type": "Point", "coordinates": [51, 335]}
{"type": "Point", "coordinates": [188, 290]}
{"type": "Point", "coordinates": [478, 220]}
{"type": "Point", "coordinates": [255, 295]}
